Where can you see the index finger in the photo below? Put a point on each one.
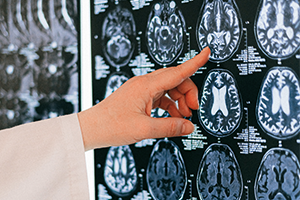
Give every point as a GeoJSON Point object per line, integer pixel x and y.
{"type": "Point", "coordinates": [189, 67]}
{"type": "Point", "coordinates": [169, 78]}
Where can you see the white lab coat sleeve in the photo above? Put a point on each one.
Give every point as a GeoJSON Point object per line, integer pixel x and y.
{"type": "Point", "coordinates": [43, 160]}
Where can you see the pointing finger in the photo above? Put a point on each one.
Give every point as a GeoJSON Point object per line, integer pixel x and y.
{"type": "Point", "coordinates": [171, 77]}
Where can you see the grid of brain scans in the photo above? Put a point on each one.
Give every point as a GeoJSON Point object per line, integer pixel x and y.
{"type": "Point", "coordinates": [38, 60]}
{"type": "Point", "coordinates": [246, 143]}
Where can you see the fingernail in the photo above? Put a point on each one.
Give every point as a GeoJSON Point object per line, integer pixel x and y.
{"type": "Point", "coordinates": [207, 48]}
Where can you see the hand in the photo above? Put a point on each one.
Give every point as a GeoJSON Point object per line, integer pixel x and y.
{"type": "Point", "coordinates": [124, 117]}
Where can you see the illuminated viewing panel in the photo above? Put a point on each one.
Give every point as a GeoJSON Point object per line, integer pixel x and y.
{"type": "Point", "coordinates": [246, 142]}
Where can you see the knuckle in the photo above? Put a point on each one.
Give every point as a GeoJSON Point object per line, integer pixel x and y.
{"type": "Point", "coordinates": [173, 130]}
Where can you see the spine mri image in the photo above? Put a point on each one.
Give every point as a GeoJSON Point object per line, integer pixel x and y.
{"type": "Point", "coordinates": [39, 54]}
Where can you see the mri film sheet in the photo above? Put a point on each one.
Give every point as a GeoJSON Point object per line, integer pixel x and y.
{"type": "Point", "coordinates": [246, 142]}
{"type": "Point", "coordinates": [39, 60]}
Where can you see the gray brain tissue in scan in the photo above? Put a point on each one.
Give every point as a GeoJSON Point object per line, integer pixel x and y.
{"type": "Point", "coordinates": [220, 28]}
{"type": "Point", "coordinates": [278, 176]}
{"type": "Point", "coordinates": [166, 172]}
{"type": "Point", "coordinates": [277, 28]}
{"type": "Point", "coordinates": [219, 175]}
{"type": "Point", "coordinates": [114, 82]}
{"type": "Point", "coordinates": [220, 109]}
{"type": "Point", "coordinates": [246, 139]}
{"type": "Point", "coordinates": [118, 36]}
{"type": "Point", "coordinates": [120, 171]}
{"type": "Point", "coordinates": [165, 32]}
{"type": "Point", "coordinates": [278, 105]}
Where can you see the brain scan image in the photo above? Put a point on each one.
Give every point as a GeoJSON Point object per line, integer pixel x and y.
{"type": "Point", "coordinates": [118, 36]}
{"type": "Point", "coordinates": [120, 171]}
{"type": "Point", "coordinates": [220, 28]}
{"type": "Point", "coordinates": [159, 113]}
{"type": "Point", "coordinates": [115, 81]}
{"type": "Point", "coordinates": [277, 27]}
{"type": "Point", "coordinates": [220, 109]}
{"type": "Point", "coordinates": [165, 32]}
{"type": "Point", "coordinates": [219, 175]}
{"type": "Point", "coordinates": [278, 176]}
{"type": "Point", "coordinates": [278, 105]}
{"type": "Point", "coordinates": [166, 173]}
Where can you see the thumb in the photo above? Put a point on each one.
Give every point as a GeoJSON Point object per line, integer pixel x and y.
{"type": "Point", "coordinates": [170, 127]}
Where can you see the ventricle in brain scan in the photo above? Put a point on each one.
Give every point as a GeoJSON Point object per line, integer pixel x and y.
{"type": "Point", "coordinates": [166, 173]}
{"type": "Point", "coordinates": [118, 36]}
{"type": "Point", "coordinates": [220, 109]}
{"type": "Point", "coordinates": [165, 32]}
{"type": "Point", "coordinates": [278, 104]}
{"type": "Point", "coordinates": [278, 176]}
{"type": "Point", "coordinates": [219, 175]}
{"type": "Point", "coordinates": [120, 171]}
{"type": "Point", "coordinates": [220, 28]}
{"type": "Point", "coordinates": [277, 27]}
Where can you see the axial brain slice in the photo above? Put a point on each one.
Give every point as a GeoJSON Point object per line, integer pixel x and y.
{"type": "Point", "coordinates": [278, 105]}
{"type": "Point", "coordinates": [165, 32]}
{"type": "Point", "coordinates": [118, 36]}
{"type": "Point", "coordinates": [277, 27]}
{"type": "Point", "coordinates": [219, 175]}
{"type": "Point", "coordinates": [278, 176]}
{"type": "Point", "coordinates": [220, 104]}
{"type": "Point", "coordinates": [120, 171]}
{"type": "Point", "coordinates": [220, 28]}
{"type": "Point", "coordinates": [114, 82]}
{"type": "Point", "coordinates": [166, 173]}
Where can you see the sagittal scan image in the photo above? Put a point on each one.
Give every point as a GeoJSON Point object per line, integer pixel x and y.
{"type": "Point", "coordinates": [62, 26]}
{"type": "Point", "coordinates": [52, 73]}
{"type": "Point", "coordinates": [166, 172]}
{"type": "Point", "coordinates": [39, 54]}
{"type": "Point", "coordinates": [12, 69]}
{"type": "Point", "coordinates": [220, 109]}
{"type": "Point", "coordinates": [278, 105]}
{"type": "Point", "coordinates": [219, 175]}
{"type": "Point", "coordinates": [118, 36]}
{"type": "Point", "coordinates": [278, 176]}
{"type": "Point", "coordinates": [165, 32]}
{"type": "Point", "coordinates": [120, 171]}
{"type": "Point", "coordinates": [220, 28]}
{"type": "Point", "coordinates": [277, 28]}
{"type": "Point", "coordinates": [13, 110]}
{"type": "Point", "coordinates": [115, 81]}
{"type": "Point", "coordinates": [49, 108]}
